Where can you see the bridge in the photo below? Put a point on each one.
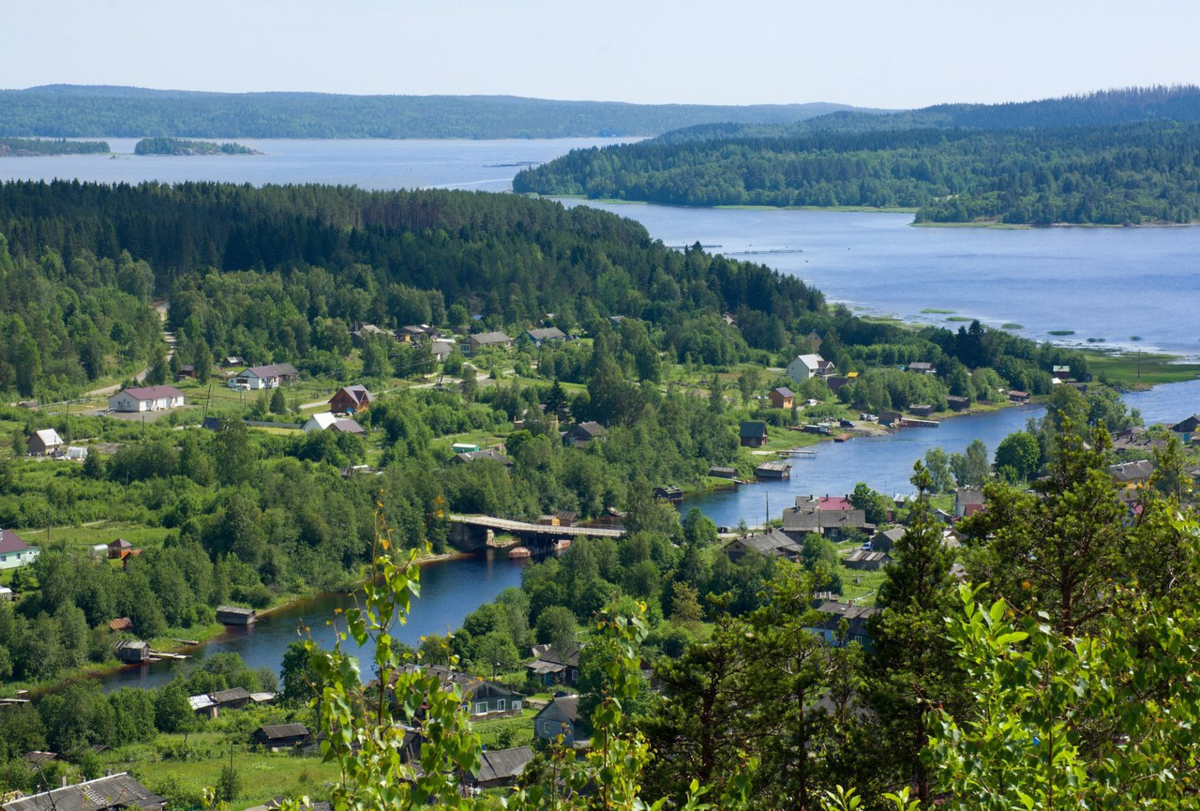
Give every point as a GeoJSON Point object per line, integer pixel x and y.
{"type": "Point", "coordinates": [471, 532]}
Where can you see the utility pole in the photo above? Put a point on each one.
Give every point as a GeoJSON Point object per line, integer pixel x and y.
{"type": "Point", "coordinates": [767, 522]}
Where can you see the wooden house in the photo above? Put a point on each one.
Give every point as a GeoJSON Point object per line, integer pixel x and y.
{"type": "Point", "coordinates": [561, 718]}
{"type": "Point", "coordinates": [117, 791]}
{"type": "Point", "coordinates": [773, 544]}
{"type": "Point", "coordinates": [1187, 428]}
{"type": "Point", "coordinates": [499, 767]}
{"type": "Point", "coordinates": [133, 651]}
{"type": "Point", "coordinates": [867, 560]}
{"type": "Point", "coordinates": [486, 340]}
{"type": "Point", "coordinates": [350, 400]}
{"type": "Point", "coordinates": [955, 403]}
{"type": "Point", "coordinates": [541, 336]}
{"type": "Point", "coordinates": [856, 616]}
{"type": "Point", "coordinates": [119, 549]}
{"type": "Point", "coordinates": [583, 433]}
{"type": "Point", "coordinates": [45, 442]}
{"type": "Point", "coordinates": [14, 552]}
{"type": "Point", "coordinates": [480, 697]}
{"type": "Point", "coordinates": [1015, 396]}
{"type": "Point", "coordinates": [885, 541]}
{"type": "Point", "coordinates": [235, 615]}
{"type": "Point", "coordinates": [752, 434]}
{"type": "Point", "coordinates": [773, 470]}
{"type": "Point", "coordinates": [781, 397]}
{"type": "Point", "coordinates": [721, 472]}
{"type": "Point", "coordinates": [555, 667]}
{"type": "Point", "coordinates": [922, 410]}
{"type": "Point", "coordinates": [282, 736]}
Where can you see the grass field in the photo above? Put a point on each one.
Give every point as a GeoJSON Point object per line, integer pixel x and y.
{"type": "Point", "coordinates": [1139, 369]}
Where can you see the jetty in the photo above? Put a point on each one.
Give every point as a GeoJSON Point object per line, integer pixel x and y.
{"type": "Point", "coordinates": [470, 533]}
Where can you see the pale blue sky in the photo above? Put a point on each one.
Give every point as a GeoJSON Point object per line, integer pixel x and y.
{"type": "Point", "coordinates": [870, 53]}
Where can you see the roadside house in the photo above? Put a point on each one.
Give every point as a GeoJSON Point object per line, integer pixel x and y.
{"type": "Point", "coordinates": [350, 400]}
{"type": "Point", "coordinates": [833, 524]}
{"type": "Point", "coordinates": [885, 541]}
{"type": "Point", "coordinates": [480, 697]}
{"type": "Point", "coordinates": [14, 552]}
{"type": "Point", "coordinates": [45, 442]}
{"type": "Point", "coordinates": [265, 377]}
{"type": "Point", "coordinates": [146, 398]}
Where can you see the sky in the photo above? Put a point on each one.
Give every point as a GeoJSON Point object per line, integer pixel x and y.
{"type": "Point", "coordinates": [867, 53]}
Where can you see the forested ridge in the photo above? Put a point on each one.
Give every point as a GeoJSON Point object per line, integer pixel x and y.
{"type": "Point", "coordinates": [1019, 164]}
{"type": "Point", "coordinates": [130, 112]}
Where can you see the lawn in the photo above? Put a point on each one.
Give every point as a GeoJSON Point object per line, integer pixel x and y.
{"type": "Point", "coordinates": [1139, 369]}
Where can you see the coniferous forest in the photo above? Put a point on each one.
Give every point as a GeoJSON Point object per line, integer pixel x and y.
{"type": "Point", "coordinates": [1107, 159]}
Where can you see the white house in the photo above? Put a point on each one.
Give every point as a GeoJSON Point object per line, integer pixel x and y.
{"type": "Point", "coordinates": [265, 377]}
{"type": "Point", "coordinates": [319, 422]}
{"type": "Point", "coordinates": [14, 552]}
{"type": "Point", "coordinates": [147, 398]}
{"type": "Point", "coordinates": [806, 366]}
{"type": "Point", "coordinates": [45, 442]}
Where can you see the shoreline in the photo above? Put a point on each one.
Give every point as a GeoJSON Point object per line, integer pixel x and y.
{"type": "Point", "coordinates": [103, 669]}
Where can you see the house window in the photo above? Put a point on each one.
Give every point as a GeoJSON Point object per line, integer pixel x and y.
{"type": "Point", "coordinates": [548, 727]}
{"type": "Point", "coordinates": [500, 705]}
{"type": "Point", "coordinates": [480, 707]}
{"type": "Point", "coordinates": [516, 705]}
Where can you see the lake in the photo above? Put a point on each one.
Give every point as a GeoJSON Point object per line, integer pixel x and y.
{"type": "Point", "coordinates": [1101, 283]}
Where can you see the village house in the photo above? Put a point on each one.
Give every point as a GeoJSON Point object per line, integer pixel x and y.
{"type": "Point", "coordinates": [722, 472]}
{"type": "Point", "coordinates": [480, 697]}
{"type": "Point", "coordinates": [554, 667]}
{"type": "Point", "coordinates": [773, 470]}
{"type": "Point", "coordinates": [1061, 372]}
{"type": "Point", "coordinates": [967, 501]}
{"type": "Point", "coordinates": [441, 350]}
{"type": "Point", "coordinates": [369, 332]}
{"type": "Point", "coordinates": [583, 433]}
{"type": "Point", "coordinates": [835, 382]}
{"type": "Point", "coordinates": [282, 736]}
{"type": "Point", "coordinates": [833, 524]}
{"type": "Point", "coordinates": [186, 372]}
{"type": "Point", "coordinates": [772, 544]}
{"type": "Point", "coordinates": [922, 367]}
{"type": "Point", "coordinates": [233, 361]}
{"type": "Point", "coordinates": [485, 340]}
{"type": "Point", "coordinates": [1015, 396]}
{"type": "Point", "coordinates": [781, 397]}
{"type": "Point", "coordinates": [890, 418]}
{"type": "Point", "coordinates": [1130, 477]}
{"type": "Point", "coordinates": [752, 434]}
{"type": "Point", "coordinates": [327, 421]}
{"type": "Point", "coordinates": [119, 549]}
{"type": "Point", "coordinates": [118, 791]}
{"type": "Point", "coordinates": [350, 400]}
{"type": "Point", "coordinates": [808, 366]}
{"type": "Point", "coordinates": [956, 403]}
{"type": "Point", "coordinates": [867, 560]}
{"type": "Point", "coordinates": [885, 540]}
{"type": "Point", "coordinates": [856, 617]}
{"type": "Point", "coordinates": [416, 333]}
{"type": "Point", "coordinates": [815, 340]}
{"type": "Point", "coordinates": [265, 377]}
{"type": "Point", "coordinates": [1136, 438]}
{"type": "Point", "coordinates": [486, 454]}
{"type": "Point", "coordinates": [541, 336]}
{"type": "Point", "coordinates": [1187, 428]}
{"type": "Point", "coordinates": [923, 410]}
{"type": "Point", "coordinates": [499, 767]}
{"type": "Point", "coordinates": [147, 398]}
{"type": "Point", "coordinates": [45, 442]}
{"type": "Point", "coordinates": [561, 717]}
{"type": "Point", "coordinates": [14, 552]}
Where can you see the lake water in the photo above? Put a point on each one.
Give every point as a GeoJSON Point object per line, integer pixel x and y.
{"type": "Point", "coordinates": [1101, 283]}
{"type": "Point", "coordinates": [450, 590]}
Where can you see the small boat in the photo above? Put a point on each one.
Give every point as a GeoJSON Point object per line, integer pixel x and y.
{"type": "Point", "coordinates": [519, 552]}
{"type": "Point", "coordinates": [560, 545]}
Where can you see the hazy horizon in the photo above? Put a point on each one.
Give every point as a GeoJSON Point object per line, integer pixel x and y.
{"type": "Point", "coordinates": [890, 56]}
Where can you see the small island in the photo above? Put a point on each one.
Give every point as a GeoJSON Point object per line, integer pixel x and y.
{"type": "Point", "coordinates": [29, 147]}
{"type": "Point", "coordinates": [183, 146]}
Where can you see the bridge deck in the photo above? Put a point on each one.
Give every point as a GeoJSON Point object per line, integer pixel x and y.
{"type": "Point", "coordinates": [523, 528]}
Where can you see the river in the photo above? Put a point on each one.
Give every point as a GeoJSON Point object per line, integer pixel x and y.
{"type": "Point", "coordinates": [1046, 280]}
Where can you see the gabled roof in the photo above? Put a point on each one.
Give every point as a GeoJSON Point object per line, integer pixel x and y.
{"type": "Point", "coordinates": [358, 393]}
{"type": "Point", "coordinates": [502, 764]}
{"type": "Point", "coordinates": [11, 542]}
{"type": "Point", "coordinates": [1131, 471]}
{"type": "Point", "coordinates": [48, 436]}
{"type": "Point", "coordinates": [490, 454]}
{"type": "Point", "coordinates": [567, 705]}
{"type": "Point", "coordinates": [485, 338]}
{"type": "Point", "coordinates": [772, 544]}
{"type": "Point", "coordinates": [968, 495]}
{"type": "Point", "coordinates": [546, 334]}
{"type": "Point", "coordinates": [230, 695]}
{"type": "Point", "coordinates": [469, 685]}
{"type": "Point", "coordinates": [153, 392]}
{"type": "Point", "coordinates": [348, 427]}
{"type": "Point", "coordinates": [783, 391]}
{"type": "Point", "coordinates": [834, 503]}
{"type": "Point", "coordinates": [750, 429]}
{"type": "Point", "coordinates": [272, 370]}
{"type": "Point", "coordinates": [117, 791]}
{"type": "Point", "coordinates": [280, 731]}
{"type": "Point", "coordinates": [323, 420]}
{"type": "Point", "coordinates": [590, 428]}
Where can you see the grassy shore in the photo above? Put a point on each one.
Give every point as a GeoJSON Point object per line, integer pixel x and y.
{"type": "Point", "coordinates": [1139, 370]}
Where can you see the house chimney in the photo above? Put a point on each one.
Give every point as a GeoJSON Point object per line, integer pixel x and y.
{"type": "Point", "coordinates": [64, 781]}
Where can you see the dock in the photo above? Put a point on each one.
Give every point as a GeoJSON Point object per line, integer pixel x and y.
{"type": "Point", "coordinates": [797, 452]}
{"type": "Point", "coordinates": [913, 422]}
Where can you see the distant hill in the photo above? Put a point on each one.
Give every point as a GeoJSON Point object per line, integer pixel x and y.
{"type": "Point", "coordinates": [1116, 157]}
{"type": "Point", "coordinates": [75, 111]}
